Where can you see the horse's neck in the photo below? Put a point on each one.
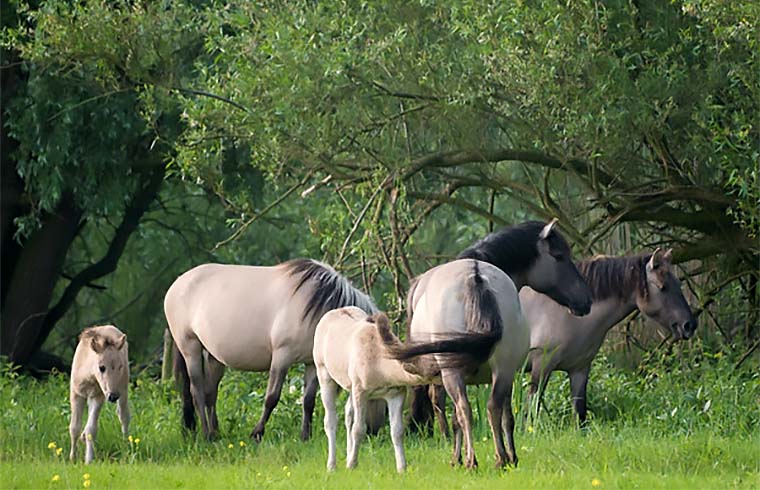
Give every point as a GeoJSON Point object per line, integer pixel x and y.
{"type": "Point", "coordinates": [610, 312]}
{"type": "Point", "coordinates": [519, 279]}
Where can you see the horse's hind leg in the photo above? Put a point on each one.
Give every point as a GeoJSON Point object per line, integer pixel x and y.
{"type": "Point", "coordinates": [453, 381]}
{"type": "Point", "coordinates": [214, 373]}
{"type": "Point", "coordinates": [310, 386]}
{"type": "Point", "coordinates": [438, 395]}
{"type": "Point", "coordinates": [456, 454]}
{"type": "Point", "coordinates": [77, 410]}
{"type": "Point", "coordinates": [396, 413]}
{"type": "Point", "coordinates": [277, 372]}
{"type": "Point", "coordinates": [192, 351]}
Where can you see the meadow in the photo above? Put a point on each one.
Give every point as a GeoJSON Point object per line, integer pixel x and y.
{"type": "Point", "coordinates": [685, 420]}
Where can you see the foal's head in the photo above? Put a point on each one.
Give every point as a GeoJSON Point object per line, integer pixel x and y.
{"type": "Point", "coordinates": [554, 274]}
{"type": "Point", "coordinates": [109, 361]}
{"type": "Point", "coordinates": [661, 299]}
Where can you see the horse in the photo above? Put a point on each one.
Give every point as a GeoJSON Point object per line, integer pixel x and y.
{"type": "Point", "coordinates": [99, 372]}
{"type": "Point", "coordinates": [359, 353]}
{"type": "Point", "coordinates": [442, 301]}
{"type": "Point", "coordinates": [620, 285]}
{"type": "Point", "coordinates": [252, 318]}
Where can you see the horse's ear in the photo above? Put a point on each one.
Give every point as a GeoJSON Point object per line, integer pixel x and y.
{"type": "Point", "coordinates": [668, 255]}
{"type": "Point", "coordinates": [121, 341]}
{"type": "Point", "coordinates": [97, 345]}
{"type": "Point", "coordinates": [654, 260]}
{"type": "Point", "coordinates": [547, 229]}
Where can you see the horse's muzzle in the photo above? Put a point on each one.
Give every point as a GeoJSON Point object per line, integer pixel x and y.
{"type": "Point", "coordinates": [112, 397]}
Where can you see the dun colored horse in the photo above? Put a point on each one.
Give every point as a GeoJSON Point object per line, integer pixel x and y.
{"type": "Point", "coordinates": [254, 319]}
{"type": "Point", "coordinates": [99, 372]}
{"type": "Point", "coordinates": [620, 285]}
{"type": "Point", "coordinates": [528, 254]}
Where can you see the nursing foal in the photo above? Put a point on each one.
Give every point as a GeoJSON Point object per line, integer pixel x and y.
{"type": "Point", "coordinates": [100, 371]}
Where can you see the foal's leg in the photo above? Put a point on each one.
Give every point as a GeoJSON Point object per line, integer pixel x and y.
{"type": "Point", "coordinates": [438, 396]}
{"type": "Point", "coordinates": [310, 386]}
{"type": "Point", "coordinates": [578, 382]}
{"type": "Point", "coordinates": [349, 420]}
{"type": "Point", "coordinates": [499, 405]}
{"type": "Point", "coordinates": [277, 372]}
{"type": "Point", "coordinates": [214, 373]}
{"type": "Point", "coordinates": [396, 413]}
{"type": "Point", "coordinates": [77, 410]}
{"type": "Point", "coordinates": [94, 404]}
{"type": "Point", "coordinates": [329, 395]}
{"type": "Point", "coordinates": [453, 381]}
{"type": "Point", "coordinates": [359, 428]}
{"type": "Point", "coordinates": [122, 410]}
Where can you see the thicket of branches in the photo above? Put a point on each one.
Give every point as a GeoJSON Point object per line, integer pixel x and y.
{"type": "Point", "coordinates": [381, 138]}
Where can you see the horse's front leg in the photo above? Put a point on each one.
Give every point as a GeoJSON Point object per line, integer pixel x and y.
{"type": "Point", "coordinates": [578, 382]}
{"type": "Point", "coordinates": [122, 410]}
{"type": "Point", "coordinates": [94, 404]}
{"type": "Point", "coordinates": [277, 373]}
{"type": "Point", "coordinates": [499, 405]}
{"type": "Point", "coordinates": [329, 396]}
{"type": "Point", "coordinates": [453, 381]}
{"type": "Point", "coordinates": [310, 385]}
{"type": "Point", "coordinates": [77, 410]}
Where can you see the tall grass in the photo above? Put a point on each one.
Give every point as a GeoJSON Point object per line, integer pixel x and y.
{"type": "Point", "coordinates": [673, 422]}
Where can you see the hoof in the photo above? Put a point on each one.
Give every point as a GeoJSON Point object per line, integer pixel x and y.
{"type": "Point", "coordinates": [257, 435]}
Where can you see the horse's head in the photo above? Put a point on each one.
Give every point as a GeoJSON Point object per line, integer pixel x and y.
{"type": "Point", "coordinates": [554, 273]}
{"type": "Point", "coordinates": [662, 299]}
{"type": "Point", "coordinates": [110, 364]}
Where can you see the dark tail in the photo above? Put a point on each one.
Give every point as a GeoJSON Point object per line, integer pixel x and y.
{"type": "Point", "coordinates": [483, 323]}
{"type": "Point", "coordinates": [183, 380]}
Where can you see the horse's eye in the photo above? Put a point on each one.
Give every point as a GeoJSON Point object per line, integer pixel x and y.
{"type": "Point", "coordinates": [102, 369]}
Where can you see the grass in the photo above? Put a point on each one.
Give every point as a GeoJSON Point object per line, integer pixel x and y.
{"type": "Point", "coordinates": [679, 423]}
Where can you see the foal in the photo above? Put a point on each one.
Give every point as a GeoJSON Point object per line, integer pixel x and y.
{"type": "Point", "coordinates": [358, 353]}
{"type": "Point", "coordinates": [100, 371]}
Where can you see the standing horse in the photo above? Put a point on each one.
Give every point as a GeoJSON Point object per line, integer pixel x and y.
{"type": "Point", "coordinates": [254, 319]}
{"type": "Point", "coordinates": [563, 342]}
{"type": "Point", "coordinates": [475, 297]}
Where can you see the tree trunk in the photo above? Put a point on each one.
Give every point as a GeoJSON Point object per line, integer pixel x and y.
{"type": "Point", "coordinates": [35, 273]}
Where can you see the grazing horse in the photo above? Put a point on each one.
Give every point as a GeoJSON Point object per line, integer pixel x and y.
{"type": "Point", "coordinates": [563, 342]}
{"type": "Point", "coordinates": [255, 319]}
{"type": "Point", "coordinates": [99, 372]}
{"type": "Point", "coordinates": [528, 254]}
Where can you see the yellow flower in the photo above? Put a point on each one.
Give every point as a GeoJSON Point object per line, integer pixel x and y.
{"type": "Point", "coordinates": [56, 478]}
{"type": "Point", "coordinates": [130, 439]}
{"type": "Point", "coordinates": [58, 451]}
{"type": "Point", "coordinates": [86, 476]}
{"type": "Point", "coordinates": [258, 474]}
{"type": "Point", "coordinates": [530, 429]}
{"type": "Point", "coordinates": [285, 468]}
{"type": "Point", "coordinates": [242, 443]}
{"type": "Point", "coordinates": [595, 482]}
{"type": "Point", "coordinates": [51, 445]}
{"type": "Point", "coordinates": [288, 474]}
{"type": "Point", "coordinates": [137, 440]}
{"type": "Point", "coordinates": [87, 484]}
{"type": "Point", "coordinates": [230, 446]}
{"type": "Point", "coordinates": [89, 437]}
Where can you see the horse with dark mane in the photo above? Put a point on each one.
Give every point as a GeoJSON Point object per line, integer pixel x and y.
{"type": "Point", "coordinates": [620, 285]}
{"type": "Point", "coordinates": [251, 318]}
{"type": "Point", "coordinates": [476, 297]}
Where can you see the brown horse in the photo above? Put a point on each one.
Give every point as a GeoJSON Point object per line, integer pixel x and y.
{"type": "Point", "coordinates": [254, 319]}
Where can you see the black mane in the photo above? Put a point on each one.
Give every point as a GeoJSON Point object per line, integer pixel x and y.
{"type": "Point", "coordinates": [513, 249]}
{"type": "Point", "coordinates": [615, 276]}
{"type": "Point", "coordinates": [330, 289]}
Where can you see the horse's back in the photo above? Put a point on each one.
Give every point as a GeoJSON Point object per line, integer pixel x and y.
{"type": "Point", "coordinates": [230, 309]}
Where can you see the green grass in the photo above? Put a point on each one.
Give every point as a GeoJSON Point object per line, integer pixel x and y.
{"type": "Point", "coordinates": [680, 423]}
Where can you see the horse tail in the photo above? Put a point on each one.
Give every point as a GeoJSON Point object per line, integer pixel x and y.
{"type": "Point", "coordinates": [483, 325]}
{"type": "Point", "coordinates": [183, 380]}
